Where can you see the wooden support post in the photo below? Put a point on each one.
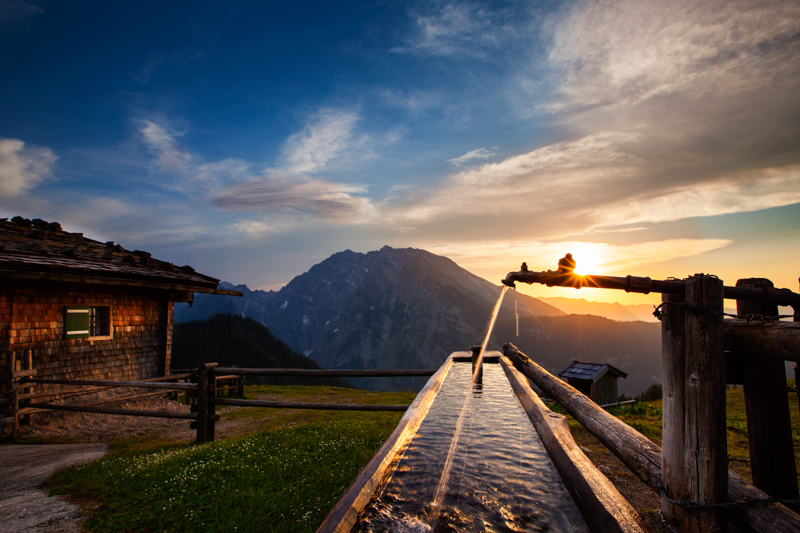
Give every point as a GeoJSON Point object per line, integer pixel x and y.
{"type": "Point", "coordinates": [797, 386]}
{"type": "Point", "coordinates": [695, 463]}
{"type": "Point", "coordinates": [767, 404]}
{"type": "Point", "coordinates": [673, 364]}
{"type": "Point", "coordinates": [12, 366]}
{"type": "Point", "coordinates": [27, 364]}
{"type": "Point", "coordinates": [202, 404]}
{"type": "Point", "coordinates": [212, 395]}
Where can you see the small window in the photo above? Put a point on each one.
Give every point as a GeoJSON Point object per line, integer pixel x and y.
{"type": "Point", "coordinates": [82, 322]}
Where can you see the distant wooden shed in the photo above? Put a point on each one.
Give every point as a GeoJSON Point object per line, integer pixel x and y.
{"type": "Point", "coordinates": [75, 308]}
{"type": "Point", "coordinates": [597, 381]}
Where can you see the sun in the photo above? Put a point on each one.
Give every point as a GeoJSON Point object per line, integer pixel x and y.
{"type": "Point", "coordinates": [587, 260]}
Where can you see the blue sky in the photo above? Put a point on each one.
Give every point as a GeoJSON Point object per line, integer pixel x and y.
{"type": "Point", "coordinates": [254, 139]}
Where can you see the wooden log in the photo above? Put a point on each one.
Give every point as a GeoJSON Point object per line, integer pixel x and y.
{"type": "Point", "coordinates": [373, 477]}
{"type": "Point", "coordinates": [643, 457]}
{"type": "Point", "coordinates": [603, 507]}
{"type": "Point", "coordinates": [108, 383]}
{"type": "Point", "coordinates": [303, 405]}
{"type": "Point", "coordinates": [212, 395]}
{"type": "Point", "coordinates": [640, 454]}
{"type": "Point", "coordinates": [17, 374]}
{"type": "Point", "coordinates": [705, 466]}
{"type": "Point", "coordinates": [202, 403]}
{"type": "Point", "coordinates": [112, 411]}
{"type": "Point", "coordinates": [779, 340]}
{"type": "Point", "coordinates": [767, 404]}
{"type": "Point", "coordinates": [323, 373]}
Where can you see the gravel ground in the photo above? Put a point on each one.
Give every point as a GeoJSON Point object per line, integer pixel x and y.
{"type": "Point", "coordinates": [23, 506]}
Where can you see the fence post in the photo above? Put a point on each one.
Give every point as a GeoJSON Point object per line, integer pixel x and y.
{"type": "Point", "coordinates": [211, 405]}
{"type": "Point", "coordinates": [695, 444]}
{"type": "Point", "coordinates": [767, 405]}
{"type": "Point", "coordinates": [673, 362]}
{"type": "Point", "coordinates": [202, 403]}
{"type": "Point", "coordinates": [27, 364]}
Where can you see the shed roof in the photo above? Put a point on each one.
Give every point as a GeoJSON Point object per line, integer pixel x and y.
{"type": "Point", "coordinates": [589, 371]}
{"type": "Point", "coordinates": [43, 251]}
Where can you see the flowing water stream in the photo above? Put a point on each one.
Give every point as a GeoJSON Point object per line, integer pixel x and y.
{"type": "Point", "coordinates": [475, 464]}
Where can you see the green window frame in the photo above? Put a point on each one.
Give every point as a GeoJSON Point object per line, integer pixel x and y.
{"type": "Point", "coordinates": [87, 321]}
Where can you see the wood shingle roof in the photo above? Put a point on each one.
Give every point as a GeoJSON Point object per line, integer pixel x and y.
{"type": "Point", "coordinates": [43, 251]}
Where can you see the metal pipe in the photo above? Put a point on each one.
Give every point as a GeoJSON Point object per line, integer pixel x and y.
{"type": "Point", "coordinates": [644, 285]}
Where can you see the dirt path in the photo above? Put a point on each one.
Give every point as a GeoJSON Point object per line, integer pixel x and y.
{"type": "Point", "coordinates": [25, 507]}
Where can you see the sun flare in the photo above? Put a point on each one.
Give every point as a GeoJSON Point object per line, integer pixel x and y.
{"type": "Point", "coordinates": [588, 259]}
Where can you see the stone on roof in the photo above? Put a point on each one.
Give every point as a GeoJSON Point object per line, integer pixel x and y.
{"type": "Point", "coordinates": [37, 249]}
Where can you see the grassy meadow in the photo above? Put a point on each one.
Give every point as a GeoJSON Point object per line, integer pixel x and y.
{"type": "Point", "coordinates": [285, 476]}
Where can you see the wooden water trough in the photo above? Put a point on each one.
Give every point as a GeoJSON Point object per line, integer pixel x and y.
{"type": "Point", "coordinates": [601, 505]}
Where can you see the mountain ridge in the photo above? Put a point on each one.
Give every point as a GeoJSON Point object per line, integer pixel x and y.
{"type": "Point", "coordinates": [408, 308]}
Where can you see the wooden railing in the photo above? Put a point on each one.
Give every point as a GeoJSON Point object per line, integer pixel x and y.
{"type": "Point", "coordinates": [203, 394]}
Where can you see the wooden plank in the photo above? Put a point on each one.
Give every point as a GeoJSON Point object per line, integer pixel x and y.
{"type": "Point", "coordinates": [673, 364]}
{"type": "Point", "coordinates": [323, 372]}
{"type": "Point", "coordinates": [642, 456]}
{"type": "Point", "coordinates": [303, 405]}
{"type": "Point", "coordinates": [202, 404]}
{"type": "Point", "coordinates": [705, 444]}
{"type": "Point", "coordinates": [112, 411]}
{"type": "Point", "coordinates": [108, 383]}
{"type": "Point", "coordinates": [767, 405]}
{"type": "Point", "coordinates": [603, 507]}
{"type": "Point", "coordinates": [373, 477]}
{"type": "Point", "coordinates": [779, 340]}
{"type": "Point", "coordinates": [212, 409]}
{"type": "Point", "coordinates": [23, 373]}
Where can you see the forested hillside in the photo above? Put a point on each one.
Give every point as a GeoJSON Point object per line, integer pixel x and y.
{"type": "Point", "coordinates": [232, 340]}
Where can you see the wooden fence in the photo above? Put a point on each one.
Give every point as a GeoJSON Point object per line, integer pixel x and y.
{"type": "Point", "coordinates": [701, 353]}
{"type": "Point", "coordinates": [204, 393]}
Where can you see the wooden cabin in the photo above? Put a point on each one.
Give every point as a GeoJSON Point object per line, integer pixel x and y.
{"type": "Point", "coordinates": [597, 381]}
{"type": "Point", "coordinates": [75, 308]}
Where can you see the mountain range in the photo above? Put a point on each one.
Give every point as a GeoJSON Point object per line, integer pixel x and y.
{"type": "Point", "coordinates": [408, 308]}
{"type": "Point", "coordinates": [614, 311]}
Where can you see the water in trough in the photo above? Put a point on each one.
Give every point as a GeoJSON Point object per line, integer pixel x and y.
{"type": "Point", "coordinates": [501, 479]}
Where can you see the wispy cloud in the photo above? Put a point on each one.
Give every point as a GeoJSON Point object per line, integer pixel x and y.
{"type": "Point", "coordinates": [285, 194]}
{"type": "Point", "coordinates": [670, 111]}
{"type": "Point", "coordinates": [627, 51]}
{"type": "Point", "coordinates": [16, 9]}
{"type": "Point", "coordinates": [457, 28]}
{"type": "Point", "coordinates": [480, 153]}
{"type": "Point", "coordinates": [326, 136]}
{"type": "Point", "coordinates": [21, 167]}
{"type": "Point", "coordinates": [161, 141]}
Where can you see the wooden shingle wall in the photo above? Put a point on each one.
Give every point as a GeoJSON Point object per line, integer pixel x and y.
{"type": "Point", "coordinates": [32, 318]}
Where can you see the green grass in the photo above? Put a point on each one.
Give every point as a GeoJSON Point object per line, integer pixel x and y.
{"type": "Point", "coordinates": [284, 478]}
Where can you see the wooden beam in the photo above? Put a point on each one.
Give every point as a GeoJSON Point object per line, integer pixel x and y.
{"type": "Point", "coordinates": [779, 340]}
{"type": "Point", "coordinates": [767, 405]}
{"type": "Point", "coordinates": [114, 281]}
{"type": "Point", "coordinates": [306, 405]}
{"type": "Point", "coordinates": [373, 477]}
{"type": "Point", "coordinates": [705, 445]}
{"type": "Point", "coordinates": [108, 383]}
{"type": "Point", "coordinates": [642, 456]}
{"type": "Point", "coordinates": [603, 507]}
{"type": "Point", "coordinates": [112, 411]}
{"type": "Point", "coordinates": [321, 373]}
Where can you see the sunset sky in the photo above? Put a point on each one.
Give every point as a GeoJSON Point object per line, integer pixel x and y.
{"type": "Point", "coordinates": [252, 140]}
